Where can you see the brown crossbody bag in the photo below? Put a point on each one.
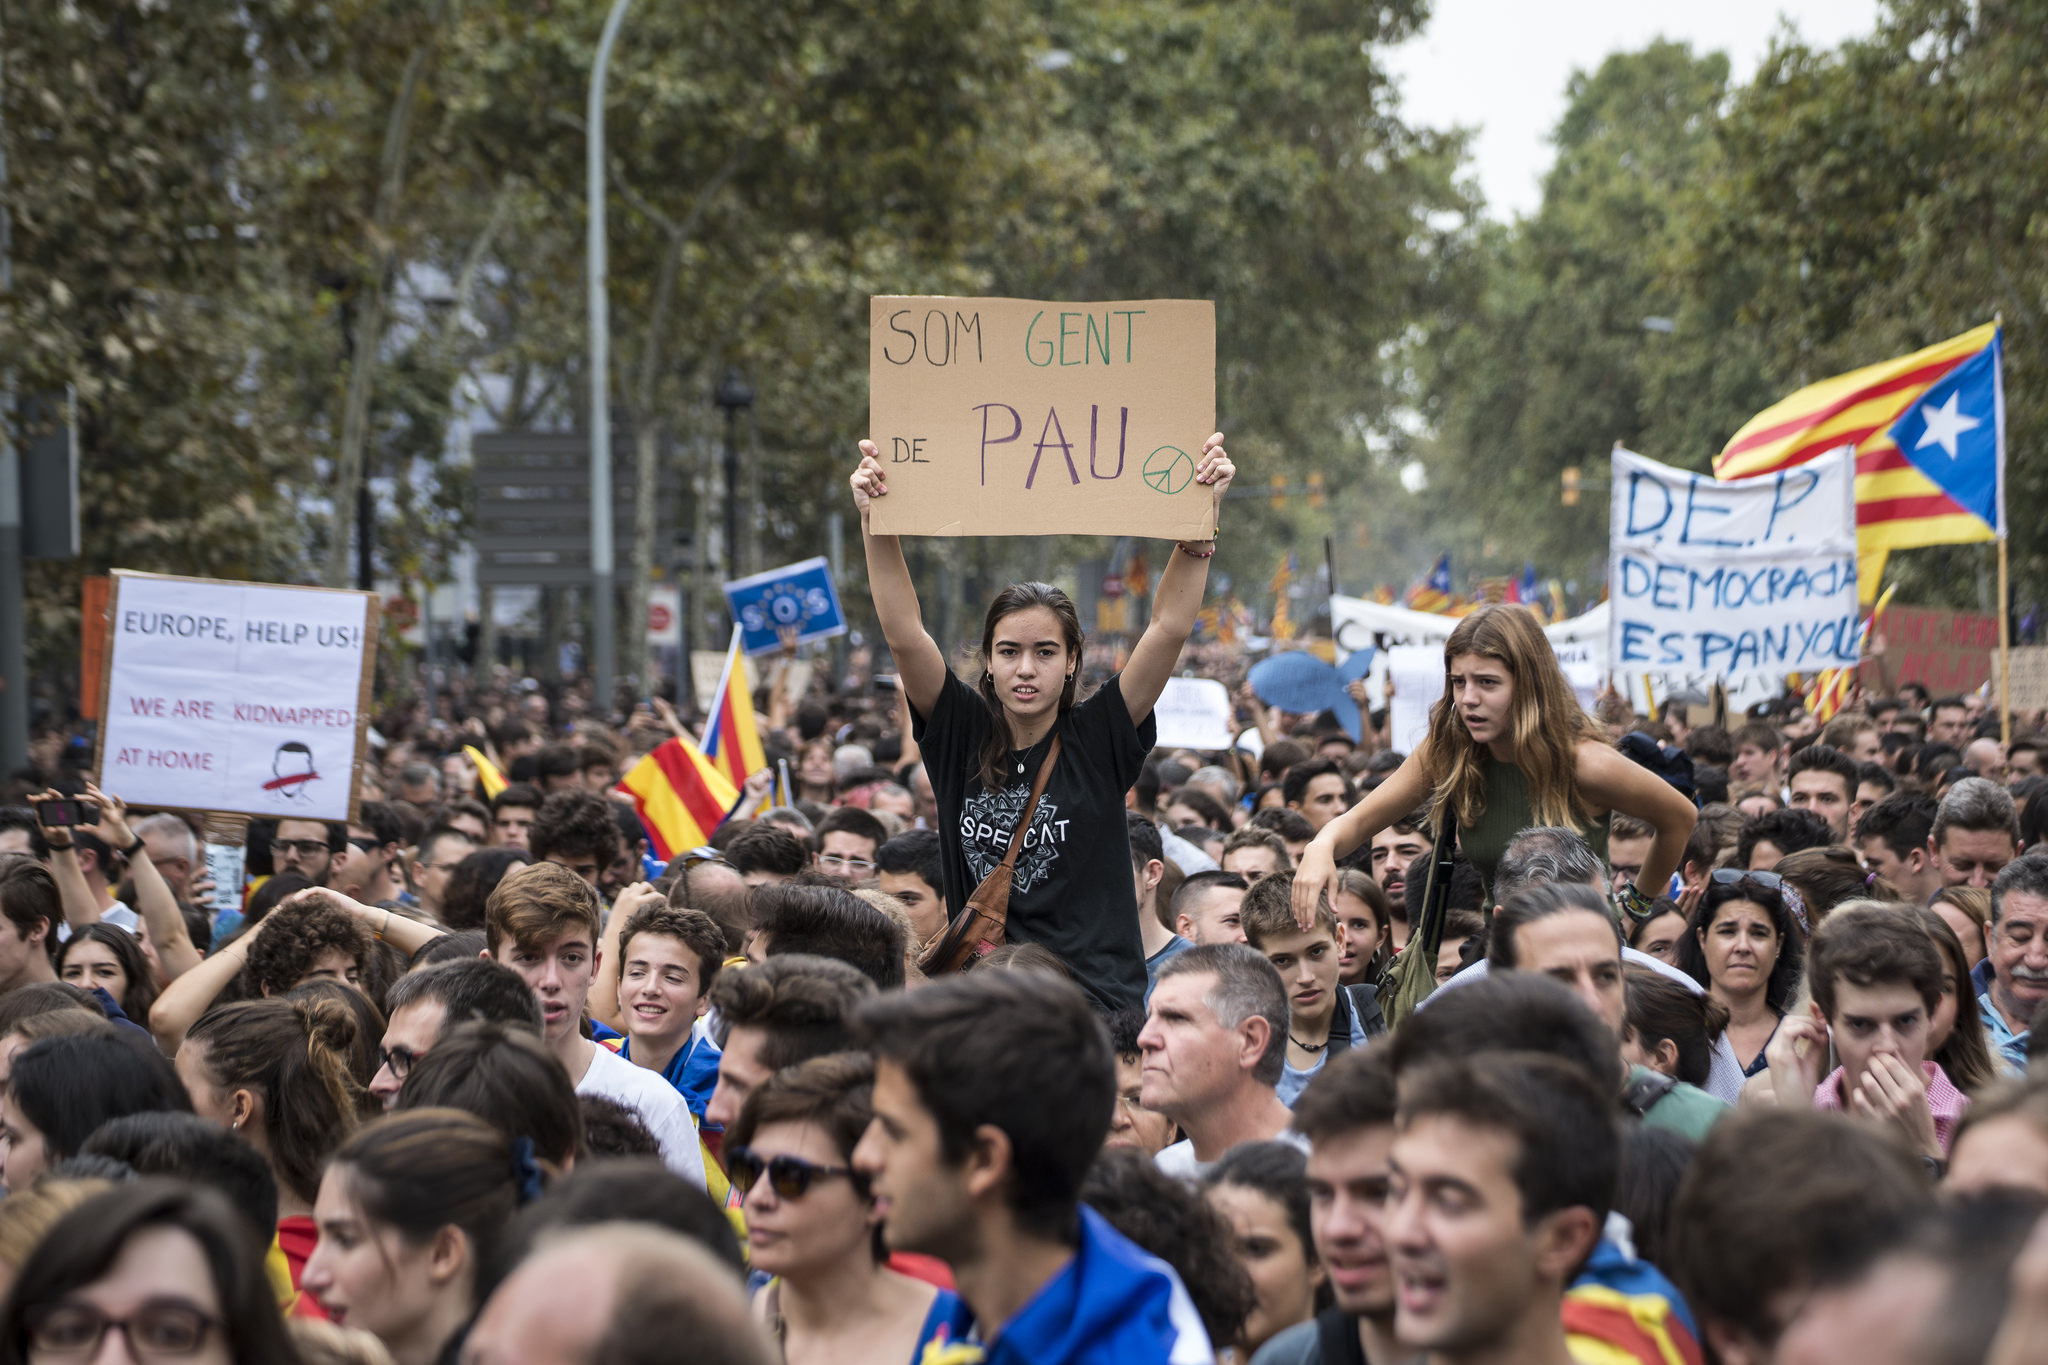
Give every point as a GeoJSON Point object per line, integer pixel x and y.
{"type": "Point", "coordinates": [978, 929]}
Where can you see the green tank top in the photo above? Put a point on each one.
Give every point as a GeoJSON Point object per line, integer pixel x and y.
{"type": "Point", "coordinates": [1508, 812]}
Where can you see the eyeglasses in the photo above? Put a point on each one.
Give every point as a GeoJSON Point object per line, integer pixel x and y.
{"type": "Point", "coordinates": [789, 1176]}
{"type": "Point", "coordinates": [304, 848]}
{"type": "Point", "coordinates": [366, 845]}
{"type": "Point", "coordinates": [398, 1059]}
{"type": "Point", "coordinates": [161, 1329]}
{"type": "Point", "coordinates": [846, 860]}
{"type": "Point", "coordinates": [1728, 876]}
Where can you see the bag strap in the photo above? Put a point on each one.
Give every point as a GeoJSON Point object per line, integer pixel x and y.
{"type": "Point", "coordinates": [1436, 893]}
{"type": "Point", "coordinates": [1052, 756]}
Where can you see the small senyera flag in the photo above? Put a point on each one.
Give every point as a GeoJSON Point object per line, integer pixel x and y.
{"type": "Point", "coordinates": [680, 795]}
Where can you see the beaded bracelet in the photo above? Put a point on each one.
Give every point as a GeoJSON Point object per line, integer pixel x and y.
{"type": "Point", "coordinates": [1197, 554]}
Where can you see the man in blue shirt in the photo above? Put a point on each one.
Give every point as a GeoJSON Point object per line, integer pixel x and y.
{"type": "Point", "coordinates": [2018, 943]}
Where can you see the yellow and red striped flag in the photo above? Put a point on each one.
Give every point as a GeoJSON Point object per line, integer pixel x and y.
{"type": "Point", "coordinates": [1831, 689]}
{"type": "Point", "coordinates": [731, 739]}
{"type": "Point", "coordinates": [486, 772]}
{"type": "Point", "coordinates": [680, 796]}
{"type": "Point", "coordinates": [1897, 506]}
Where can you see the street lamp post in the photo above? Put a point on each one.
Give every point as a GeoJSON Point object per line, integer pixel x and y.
{"type": "Point", "coordinates": [733, 397]}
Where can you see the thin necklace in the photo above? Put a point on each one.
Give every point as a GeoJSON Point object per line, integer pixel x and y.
{"type": "Point", "coordinates": [1308, 1047]}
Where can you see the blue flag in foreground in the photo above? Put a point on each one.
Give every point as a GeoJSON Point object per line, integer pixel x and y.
{"type": "Point", "coordinates": [1955, 435]}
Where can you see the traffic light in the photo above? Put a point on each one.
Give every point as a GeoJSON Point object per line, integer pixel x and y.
{"type": "Point", "coordinates": [1315, 489]}
{"type": "Point", "coordinates": [1570, 477]}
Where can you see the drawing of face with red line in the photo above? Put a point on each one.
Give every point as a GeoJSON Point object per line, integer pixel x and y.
{"type": "Point", "coordinates": [291, 771]}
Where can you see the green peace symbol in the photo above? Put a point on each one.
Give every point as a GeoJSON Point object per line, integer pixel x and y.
{"type": "Point", "coordinates": [1169, 469]}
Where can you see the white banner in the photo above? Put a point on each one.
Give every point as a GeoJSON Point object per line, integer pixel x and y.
{"type": "Point", "coordinates": [1743, 578]}
{"type": "Point", "coordinates": [236, 697]}
{"type": "Point", "coordinates": [1580, 642]}
{"type": "Point", "coordinates": [1194, 713]}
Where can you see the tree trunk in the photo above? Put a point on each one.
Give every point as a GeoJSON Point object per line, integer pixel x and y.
{"type": "Point", "coordinates": [369, 330]}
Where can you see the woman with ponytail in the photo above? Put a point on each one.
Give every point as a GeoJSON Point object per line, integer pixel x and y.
{"type": "Point", "coordinates": [411, 1211]}
{"type": "Point", "coordinates": [1509, 747]}
{"type": "Point", "coordinates": [983, 746]}
{"type": "Point", "coordinates": [278, 1072]}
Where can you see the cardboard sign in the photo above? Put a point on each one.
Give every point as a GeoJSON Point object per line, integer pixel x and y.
{"type": "Point", "coordinates": [799, 597]}
{"type": "Point", "coordinates": [2029, 678]}
{"type": "Point", "coordinates": [1194, 713]}
{"type": "Point", "coordinates": [1009, 417]}
{"type": "Point", "coordinates": [1944, 651]}
{"type": "Point", "coordinates": [1728, 578]}
{"type": "Point", "coordinates": [250, 698]}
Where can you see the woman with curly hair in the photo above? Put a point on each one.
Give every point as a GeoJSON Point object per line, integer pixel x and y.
{"type": "Point", "coordinates": [1509, 747]}
{"type": "Point", "coordinates": [317, 935]}
{"type": "Point", "coordinates": [1746, 943]}
{"type": "Point", "coordinates": [278, 1072]}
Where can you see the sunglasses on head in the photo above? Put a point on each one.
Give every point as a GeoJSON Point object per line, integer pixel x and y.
{"type": "Point", "coordinates": [789, 1176]}
{"type": "Point", "coordinates": [1728, 876]}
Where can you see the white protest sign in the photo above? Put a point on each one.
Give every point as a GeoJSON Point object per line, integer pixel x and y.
{"type": "Point", "coordinates": [1194, 713]}
{"type": "Point", "coordinates": [1736, 578]}
{"type": "Point", "coordinates": [1417, 672]}
{"type": "Point", "coordinates": [246, 698]}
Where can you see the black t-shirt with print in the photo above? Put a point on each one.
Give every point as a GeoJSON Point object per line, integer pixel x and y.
{"type": "Point", "coordinates": [1073, 892]}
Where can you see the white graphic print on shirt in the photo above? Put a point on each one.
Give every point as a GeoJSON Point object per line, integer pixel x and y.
{"type": "Point", "coordinates": [988, 819]}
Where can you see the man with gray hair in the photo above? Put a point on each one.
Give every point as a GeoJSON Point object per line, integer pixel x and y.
{"type": "Point", "coordinates": [1976, 833]}
{"type": "Point", "coordinates": [1218, 783]}
{"type": "Point", "coordinates": [2016, 951]}
{"type": "Point", "coordinates": [1214, 1043]}
{"type": "Point", "coordinates": [1551, 855]}
{"type": "Point", "coordinates": [173, 848]}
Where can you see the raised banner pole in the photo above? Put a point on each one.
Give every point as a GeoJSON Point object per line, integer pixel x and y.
{"type": "Point", "coordinates": [2004, 648]}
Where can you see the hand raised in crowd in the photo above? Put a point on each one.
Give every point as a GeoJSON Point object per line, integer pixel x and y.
{"type": "Point", "coordinates": [112, 827]}
{"type": "Point", "coordinates": [1893, 1093]}
{"type": "Point", "coordinates": [1313, 878]}
{"type": "Point", "coordinates": [1215, 467]}
{"type": "Point", "coordinates": [868, 483]}
{"type": "Point", "coordinates": [634, 898]}
{"type": "Point", "coordinates": [1796, 1055]}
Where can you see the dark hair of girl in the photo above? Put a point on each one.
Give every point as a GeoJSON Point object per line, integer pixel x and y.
{"type": "Point", "coordinates": [141, 990]}
{"type": "Point", "coordinates": [84, 1245]}
{"type": "Point", "coordinates": [69, 1086]}
{"type": "Point", "coordinates": [995, 754]}
{"type": "Point", "coordinates": [1692, 957]}
{"type": "Point", "coordinates": [1279, 1172]}
{"type": "Point", "coordinates": [1965, 1057]}
{"type": "Point", "coordinates": [425, 1169]}
{"type": "Point", "coordinates": [506, 1077]}
{"type": "Point", "coordinates": [1660, 1010]}
{"type": "Point", "coordinates": [295, 1054]}
{"type": "Point", "coordinates": [473, 881]}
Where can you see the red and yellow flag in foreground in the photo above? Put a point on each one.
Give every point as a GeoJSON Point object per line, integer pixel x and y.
{"type": "Point", "coordinates": [680, 795]}
{"type": "Point", "coordinates": [1897, 507]}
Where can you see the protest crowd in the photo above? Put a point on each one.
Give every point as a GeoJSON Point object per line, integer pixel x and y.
{"type": "Point", "coordinates": [982, 1026]}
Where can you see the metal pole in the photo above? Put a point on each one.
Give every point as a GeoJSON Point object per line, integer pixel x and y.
{"type": "Point", "coordinates": [13, 586]}
{"type": "Point", "coordinates": [600, 377]}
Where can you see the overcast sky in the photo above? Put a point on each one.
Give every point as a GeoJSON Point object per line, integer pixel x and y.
{"type": "Point", "coordinates": [1501, 65]}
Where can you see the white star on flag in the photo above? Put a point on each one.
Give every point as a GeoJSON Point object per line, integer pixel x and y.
{"type": "Point", "coordinates": [1945, 425]}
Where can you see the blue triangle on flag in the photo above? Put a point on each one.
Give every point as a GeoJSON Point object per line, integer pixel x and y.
{"type": "Point", "coordinates": [1950, 434]}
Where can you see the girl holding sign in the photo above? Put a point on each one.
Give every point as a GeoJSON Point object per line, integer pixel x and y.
{"type": "Point", "coordinates": [1509, 747]}
{"type": "Point", "coordinates": [983, 746]}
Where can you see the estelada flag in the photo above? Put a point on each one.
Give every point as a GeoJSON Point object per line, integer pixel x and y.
{"type": "Point", "coordinates": [1898, 506]}
{"type": "Point", "coordinates": [680, 795]}
{"type": "Point", "coordinates": [731, 740]}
